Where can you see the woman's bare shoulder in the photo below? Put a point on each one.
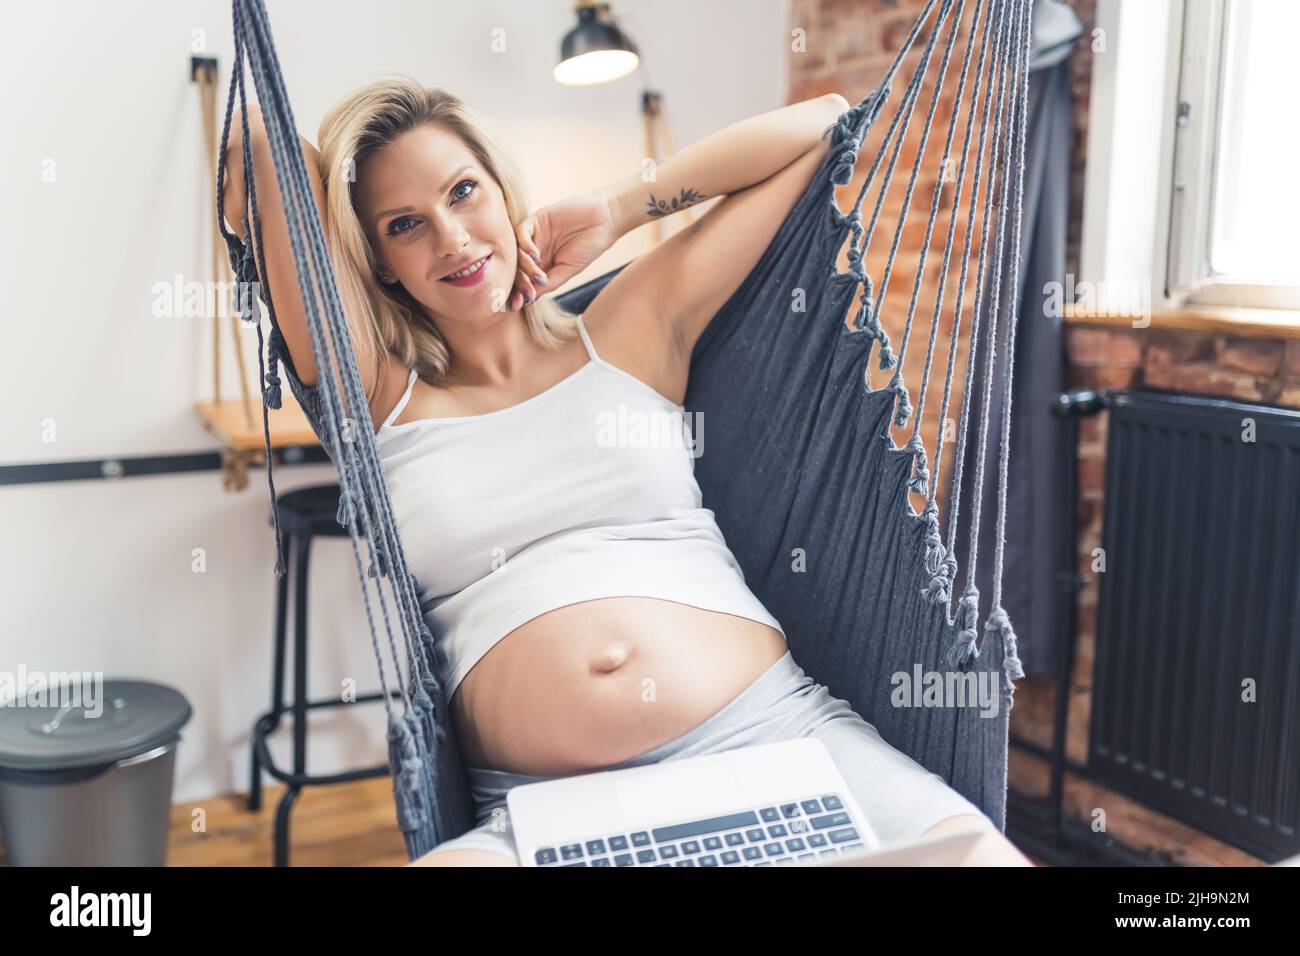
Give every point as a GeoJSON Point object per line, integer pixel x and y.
{"type": "Point", "coordinates": [390, 385]}
{"type": "Point", "coordinates": [629, 330]}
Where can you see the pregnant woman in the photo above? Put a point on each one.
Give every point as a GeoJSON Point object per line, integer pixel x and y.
{"type": "Point", "coordinates": [587, 610]}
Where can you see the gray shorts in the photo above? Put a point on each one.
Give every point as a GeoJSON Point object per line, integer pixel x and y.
{"type": "Point", "coordinates": [901, 799]}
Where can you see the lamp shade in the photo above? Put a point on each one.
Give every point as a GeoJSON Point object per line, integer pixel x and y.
{"type": "Point", "coordinates": [595, 51]}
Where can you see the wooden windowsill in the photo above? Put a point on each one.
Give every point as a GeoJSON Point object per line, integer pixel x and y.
{"type": "Point", "coordinates": [1213, 320]}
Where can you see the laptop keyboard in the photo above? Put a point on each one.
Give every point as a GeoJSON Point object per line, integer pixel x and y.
{"type": "Point", "coordinates": [781, 835]}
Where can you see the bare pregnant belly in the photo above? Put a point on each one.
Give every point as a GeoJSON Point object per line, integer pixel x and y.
{"type": "Point", "coordinates": [592, 684]}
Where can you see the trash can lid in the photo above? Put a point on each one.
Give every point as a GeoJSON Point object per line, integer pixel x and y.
{"type": "Point", "coordinates": [99, 726]}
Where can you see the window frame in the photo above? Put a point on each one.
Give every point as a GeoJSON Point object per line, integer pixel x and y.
{"type": "Point", "coordinates": [1197, 113]}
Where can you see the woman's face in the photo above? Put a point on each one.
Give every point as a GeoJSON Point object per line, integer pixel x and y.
{"type": "Point", "coordinates": [431, 211]}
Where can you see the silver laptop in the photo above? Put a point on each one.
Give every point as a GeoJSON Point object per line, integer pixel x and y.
{"type": "Point", "coordinates": [779, 804]}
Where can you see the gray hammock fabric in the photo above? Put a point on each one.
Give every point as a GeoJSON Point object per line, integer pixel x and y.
{"type": "Point", "coordinates": [800, 469]}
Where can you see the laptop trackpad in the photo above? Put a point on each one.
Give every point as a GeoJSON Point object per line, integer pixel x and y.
{"type": "Point", "coordinates": [673, 793]}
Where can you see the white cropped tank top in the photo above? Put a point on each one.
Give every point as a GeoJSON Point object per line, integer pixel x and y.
{"type": "Point", "coordinates": [584, 491]}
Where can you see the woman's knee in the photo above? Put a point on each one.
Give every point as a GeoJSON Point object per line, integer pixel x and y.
{"type": "Point", "coordinates": [991, 849]}
{"type": "Point", "coordinates": [436, 857]}
{"type": "Point", "coordinates": [491, 843]}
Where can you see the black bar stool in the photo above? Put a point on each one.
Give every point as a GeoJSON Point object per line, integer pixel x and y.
{"type": "Point", "coordinates": [305, 513]}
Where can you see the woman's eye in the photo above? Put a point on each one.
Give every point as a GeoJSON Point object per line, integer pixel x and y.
{"type": "Point", "coordinates": [392, 226]}
{"type": "Point", "coordinates": [457, 191]}
{"type": "Point", "coordinates": [460, 192]}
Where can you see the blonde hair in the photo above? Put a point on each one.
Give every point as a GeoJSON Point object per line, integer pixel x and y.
{"type": "Point", "coordinates": [388, 316]}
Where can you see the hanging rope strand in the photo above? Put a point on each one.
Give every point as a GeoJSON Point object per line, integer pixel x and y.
{"type": "Point", "coordinates": [883, 91]}
{"type": "Point", "coordinates": [293, 218]}
{"type": "Point", "coordinates": [904, 408]}
{"type": "Point", "coordinates": [868, 318]}
{"type": "Point", "coordinates": [941, 562]}
{"type": "Point", "coordinates": [999, 620]}
{"type": "Point", "coordinates": [369, 468]}
{"type": "Point", "coordinates": [978, 308]}
{"type": "Point", "coordinates": [966, 243]}
{"type": "Point", "coordinates": [921, 481]}
{"type": "Point", "coordinates": [850, 132]}
{"type": "Point", "coordinates": [304, 221]}
{"type": "Point", "coordinates": [935, 94]}
{"type": "Point", "coordinates": [967, 645]}
{"type": "Point", "coordinates": [416, 737]}
{"type": "Point", "coordinates": [902, 120]}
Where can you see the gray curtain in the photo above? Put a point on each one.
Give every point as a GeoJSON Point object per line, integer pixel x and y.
{"type": "Point", "coordinates": [1035, 499]}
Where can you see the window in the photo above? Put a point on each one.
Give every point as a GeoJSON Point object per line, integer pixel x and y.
{"type": "Point", "coordinates": [1235, 200]}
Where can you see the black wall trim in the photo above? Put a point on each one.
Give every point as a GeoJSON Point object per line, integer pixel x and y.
{"type": "Point", "coordinates": [134, 467]}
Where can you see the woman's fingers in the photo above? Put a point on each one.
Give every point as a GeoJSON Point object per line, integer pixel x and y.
{"type": "Point", "coordinates": [531, 280]}
{"type": "Point", "coordinates": [527, 286]}
{"type": "Point", "coordinates": [524, 291]}
{"type": "Point", "coordinates": [528, 238]}
{"type": "Point", "coordinates": [530, 267]}
{"type": "Point", "coordinates": [530, 256]}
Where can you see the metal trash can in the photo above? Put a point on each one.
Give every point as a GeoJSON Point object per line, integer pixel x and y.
{"type": "Point", "coordinates": [83, 787]}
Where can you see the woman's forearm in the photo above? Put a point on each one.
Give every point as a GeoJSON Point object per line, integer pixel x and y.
{"type": "Point", "coordinates": [727, 161]}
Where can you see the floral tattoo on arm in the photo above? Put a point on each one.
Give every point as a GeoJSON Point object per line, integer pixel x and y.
{"type": "Point", "coordinates": [666, 207]}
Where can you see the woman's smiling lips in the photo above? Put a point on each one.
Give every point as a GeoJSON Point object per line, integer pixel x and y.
{"type": "Point", "coordinates": [473, 278]}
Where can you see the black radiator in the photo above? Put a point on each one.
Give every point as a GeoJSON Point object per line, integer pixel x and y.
{"type": "Point", "coordinates": [1198, 613]}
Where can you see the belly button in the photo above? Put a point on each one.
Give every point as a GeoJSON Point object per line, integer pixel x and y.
{"type": "Point", "coordinates": [609, 659]}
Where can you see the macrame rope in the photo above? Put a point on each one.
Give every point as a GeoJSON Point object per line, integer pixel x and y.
{"type": "Point", "coordinates": [905, 109]}
{"type": "Point", "coordinates": [896, 383]}
{"type": "Point", "coordinates": [999, 621]}
{"type": "Point", "coordinates": [948, 564]}
{"type": "Point", "coordinates": [958, 478]}
{"type": "Point", "coordinates": [417, 726]}
{"type": "Point", "coordinates": [869, 314]}
{"type": "Point", "coordinates": [966, 647]}
{"type": "Point", "coordinates": [920, 482]}
{"type": "Point", "coordinates": [941, 562]}
{"type": "Point", "coordinates": [301, 219]}
{"type": "Point", "coordinates": [294, 191]}
{"type": "Point", "coordinates": [364, 505]}
{"type": "Point", "coordinates": [852, 127]}
{"type": "Point", "coordinates": [885, 85]}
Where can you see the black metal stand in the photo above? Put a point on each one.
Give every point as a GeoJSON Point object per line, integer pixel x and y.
{"type": "Point", "coordinates": [304, 514]}
{"type": "Point", "coordinates": [1042, 827]}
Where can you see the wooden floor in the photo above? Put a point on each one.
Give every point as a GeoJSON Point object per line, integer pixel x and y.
{"type": "Point", "coordinates": [349, 824]}
{"type": "Point", "coordinates": [1137, 827]}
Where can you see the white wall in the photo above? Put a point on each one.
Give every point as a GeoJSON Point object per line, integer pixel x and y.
{"type": "Point", "coordinates": [96, 575]}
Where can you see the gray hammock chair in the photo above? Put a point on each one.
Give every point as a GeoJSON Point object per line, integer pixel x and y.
{"type": "Point", "coordinates": [801, 470]}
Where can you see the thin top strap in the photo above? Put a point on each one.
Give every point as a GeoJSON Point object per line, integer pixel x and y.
{"type": "Point", "coordinates": [401, 402]}
{"type": "Point", "coordinates": [586, 340]}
